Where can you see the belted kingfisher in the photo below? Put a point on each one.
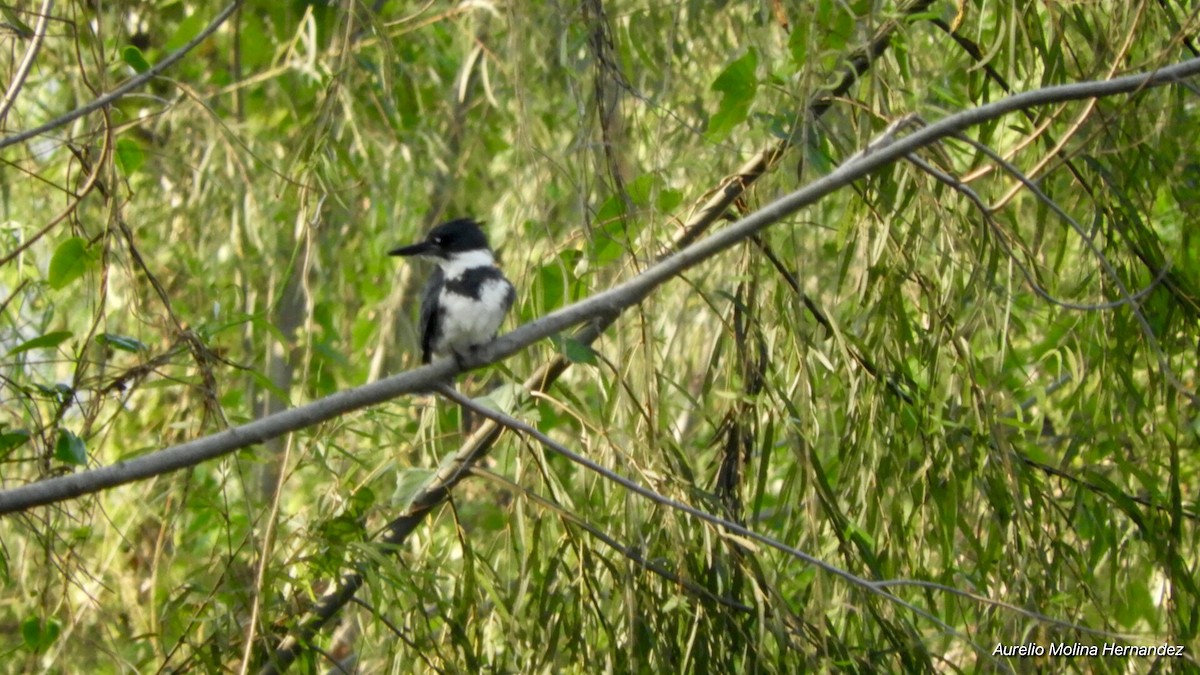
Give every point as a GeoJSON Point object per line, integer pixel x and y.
{"type": "Point", "coordinates": [466, 297]}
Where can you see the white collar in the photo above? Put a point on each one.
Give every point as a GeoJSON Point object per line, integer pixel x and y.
{"type": "Point", "coordinates": [465, 260]}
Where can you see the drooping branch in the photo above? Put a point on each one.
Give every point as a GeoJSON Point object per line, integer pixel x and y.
{"type": "Point", "coordinates": [731, 189]}
{"type": "Point", "coordinates": [130, 85]}
{"type": "Point", "coordinates": [872, 587]}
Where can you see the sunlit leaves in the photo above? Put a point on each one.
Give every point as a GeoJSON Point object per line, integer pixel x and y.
{"type": "Point", "coordinates": [409, 483]}
{"type": "Point", "coordinates": [900, 432]}
{"type": "Point", "coordinates": [13, 21]}
{"type": "Point", "coordinates": [608, 240]}
{"type": "Point", "coordinates": [621, 217]}
{"type": "Point", "coordinates": [821, 32]}
{"type": "Point", "coordinates": [185, 30]}
{"type": "Point", "coordinates": [798, 43]}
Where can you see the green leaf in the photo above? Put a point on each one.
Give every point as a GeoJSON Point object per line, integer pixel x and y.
{"type": "Point", "coordinates": [858, 534]}
{"type": "Point", "coordinates": [121, 342]}
{"type": "Point", "coordinates": [641, 188]}
{"type": "Point", "coordinates": [488, 517]}
{"type": "Point", "coordinates": [71, 260]}
{"type": "Point", "coordinates": [58, 392]}
{"type": "Point", "coordinates": [922, 17]}
{"type": "Point", "coordinates": [361, 501]}
{"type": "Point", "coordinates": [725, 119]}
{"type": "Point", "coordinates": [13, 439]}
{"type": "Point", "coordinates": [503, 399]}
{"type": "Point", "coordinates": [550, 287]}
{"type": "Point", "coordinates": [1137, 606]}
{"type": "Point", "coordinates": [330, 354]}
{"type": "Point", "coordinates": [266, 383]}
{"type": "Point", "coordinates": [605, 246]}
{"type": "Point", "coordinates": [47, 341]}
{"type": "Point", "coordinates": [575, 351]}
{"type": "Point", "coordinates": [129, 155]}
{"type": "Point", "coordinates": [133, 56]}
{"type": "Point", "coordinates": [70, 448]}
{"type": "Point", "coordinates": [739, 79]}
{"type": "Point", "coordinates": [838, 25]}
{"type": "Point", "coordinates": [189, 28]}
{"type": "Point", "coordinates": [668, 199]}
{"type": "Point", "coordinates": [816, 153]}
{"type": "Point", "coordinates": [341, 529]}
{"type": "Point", "coordinates": [409, 483]}
{"type": "Point", "coordinates": [38, 634]}
{"type": "Point", "coordinates": [208, 331]}
{"type": "Point", "coordinates": [738, 84]}
{"type": "Point", "coordinates": [15, 23]}
{"type": "Point", "coordinates": [257, 46]}
{"type": "Point", "coordinates": [798, 44]}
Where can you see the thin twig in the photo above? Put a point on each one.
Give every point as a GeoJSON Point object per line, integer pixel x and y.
{"type": "Point", "coordinates": [18, 81]}
{"type": "Point", "coordinates": [133, 83]}
{"type": "Point", "coordinates": [871, 587]}
{"type": "Point", "coordinates": [986, 213]}
{"type": "Point", "coordinates": [1090, 242]}
{"type": "Point", "coordinates": [630, 552]}
{"type": "Point", "coordinates": [93, 181]}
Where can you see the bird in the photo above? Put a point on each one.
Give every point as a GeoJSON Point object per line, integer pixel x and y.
{"type": "Point", "coordinates": [466, 297]}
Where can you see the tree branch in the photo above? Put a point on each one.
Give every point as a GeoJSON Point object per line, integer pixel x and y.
{"type": "Point", "coordinates": [601, 308]}
{"type": "Point", "coordinates": [18, 81]}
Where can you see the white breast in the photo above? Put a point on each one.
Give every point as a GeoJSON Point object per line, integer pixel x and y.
{"type": "Point", "coordinates": [468, 323]}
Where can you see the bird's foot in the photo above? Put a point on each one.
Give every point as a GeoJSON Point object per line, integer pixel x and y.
{"type": "Point", "coordinates": [460, 359]}
{"type": "Point", "coordinates": [467, 358]}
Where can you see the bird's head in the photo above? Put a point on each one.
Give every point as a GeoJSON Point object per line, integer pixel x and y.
{"type": "Point", "coordinates": [447, 241]}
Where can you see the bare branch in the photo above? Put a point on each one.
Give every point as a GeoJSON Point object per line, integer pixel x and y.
{"type": "Point", "coordinates": [18, 81]}
{"type": "Point", "coordinates": [600, 308]}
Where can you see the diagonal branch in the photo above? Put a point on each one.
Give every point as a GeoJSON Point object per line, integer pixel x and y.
{"type": "Point", "coordinates": [272, 426]}
{"type": "Point", "coordinates": [601, 309]}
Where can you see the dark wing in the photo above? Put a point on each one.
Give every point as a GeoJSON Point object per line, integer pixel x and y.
{"type": "Point", "coordinates": [429, 314]}
{"type": "Point", "coordinates": [509, 296]}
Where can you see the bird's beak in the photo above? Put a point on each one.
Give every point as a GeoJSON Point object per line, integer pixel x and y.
{"type": "Point", "coordinates": [422, 248]}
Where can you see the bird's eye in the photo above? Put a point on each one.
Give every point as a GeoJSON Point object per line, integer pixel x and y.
{"type": "Point", "coordinates": [437, 240]}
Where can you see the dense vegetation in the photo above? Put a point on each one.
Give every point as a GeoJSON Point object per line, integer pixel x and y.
{"type": "Point", "coordinates": [965, 384]}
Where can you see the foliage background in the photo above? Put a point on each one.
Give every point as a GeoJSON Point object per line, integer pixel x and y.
{"type": "Point", "coordinates": [891, 381]}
